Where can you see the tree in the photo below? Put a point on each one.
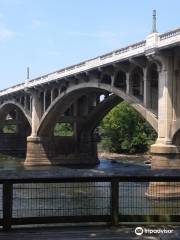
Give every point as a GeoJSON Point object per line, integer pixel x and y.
{"type": "Point", "coordinates": [124, 130]}
{"type": "Point", "coordinates": [9, 128]}
{"type": "Point", "coordinates": [63, 130]}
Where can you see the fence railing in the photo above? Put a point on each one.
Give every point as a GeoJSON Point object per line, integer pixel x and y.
{"type": "Point", "coordinates": [92, 199]}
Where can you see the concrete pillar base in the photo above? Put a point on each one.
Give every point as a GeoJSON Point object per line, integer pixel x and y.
{"type": "Point", "coordinates": [164, 156]}
{"type": "Point", "coordinates": [37, 152]}
{"type": "Point", "coordinates": [43, 151]}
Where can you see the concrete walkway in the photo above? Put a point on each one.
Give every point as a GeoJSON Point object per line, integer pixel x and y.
{"type": "Point", "coordinates": [83, 233]}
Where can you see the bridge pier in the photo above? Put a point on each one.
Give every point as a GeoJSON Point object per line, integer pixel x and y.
{"type": "Point", "coordinates": [38, 152]}
{"type": "Point", "coordinates": [164, 156]}
{"type": "Point", "coordinates": [166, 150]}
{"type": "Point", "coordinates": [60, 151]}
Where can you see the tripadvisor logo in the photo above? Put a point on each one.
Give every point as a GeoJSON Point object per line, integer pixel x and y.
{"type": "Point", "coordinates": [139, 231]}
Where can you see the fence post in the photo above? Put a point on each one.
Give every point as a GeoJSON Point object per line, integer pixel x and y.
{"type": "Point", "coordinates": [7, 205]}
{"type": "Point", "coordinates": [114, 201]}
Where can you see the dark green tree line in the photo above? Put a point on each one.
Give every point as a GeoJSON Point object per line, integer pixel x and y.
{"type": "Point", "coordinates": [123, 130]}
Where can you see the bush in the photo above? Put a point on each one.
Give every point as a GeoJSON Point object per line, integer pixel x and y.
{"type": "Point", "coordinates": [124, 130]}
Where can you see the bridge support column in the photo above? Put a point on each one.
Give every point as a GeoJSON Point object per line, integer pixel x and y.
{"type": "Point", "coordinates": [38, 152]}
{"type": "Point", "coordinates": [36, 112]}
{"type": "Point", "coordinates": [146, 99]}
{"type": "Point", "coordinates": [165, 154]}
{"type": "Point", "coordinates": [87, 150]}
{"type": "Point", "coordinates": [60, 151]}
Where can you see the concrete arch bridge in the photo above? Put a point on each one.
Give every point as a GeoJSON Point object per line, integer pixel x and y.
{"type": "Point", "coordinates": [145, 74]}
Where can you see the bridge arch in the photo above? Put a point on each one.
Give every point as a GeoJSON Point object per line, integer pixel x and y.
{"type": "Point", "coordinates": [6, 106]}
{"type": "Point", "coordinates": [175, 131]}
{"type": "Point", "coordinates": [102, 109]}
{"type": "Point", "coordinates": [64, 100]}
{"type": "Point", "coordinates": [176, 136]}
{"type": "Point", "coordinates": [95, 117]}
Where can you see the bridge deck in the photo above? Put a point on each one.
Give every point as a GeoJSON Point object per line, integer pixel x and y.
{"type": "Point", "coordinates": [81, 233]}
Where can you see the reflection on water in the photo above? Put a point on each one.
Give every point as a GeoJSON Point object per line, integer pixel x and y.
{"type": "Point", "coordinates": [14, 163]}
{"type": "Point", "coordinates": [73, 199]}
{"type": "Point", "coordinates": [134, 202]}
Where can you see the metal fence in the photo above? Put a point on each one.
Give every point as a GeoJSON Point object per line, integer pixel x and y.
{"type": "Point", "coordinates": [93, 199]}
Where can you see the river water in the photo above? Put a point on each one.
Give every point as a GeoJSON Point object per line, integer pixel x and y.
{"type": "Point", "coordinates": [68, 199]}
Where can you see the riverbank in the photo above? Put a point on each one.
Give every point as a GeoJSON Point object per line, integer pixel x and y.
{"type": "Point", "coordinates": [120, 156]}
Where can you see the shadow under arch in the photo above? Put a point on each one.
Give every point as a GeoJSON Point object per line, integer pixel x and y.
{"type": "Point", "coordinates": [176, 138]}
{"type": "Point", "coordinates": [153, 85]}
{"type": "Point", "coordinates": [174, 130]}
{"type": "Point", "coordinates": [14, 143]}
{"type": "Point", "coordinates": [66, 98]}
{"type": "Point", "coordinates": [102, 109]}
{"type": "Point", "coordinates": [136, 82]}
{"type": "Point", "coordinates": [96, 116]}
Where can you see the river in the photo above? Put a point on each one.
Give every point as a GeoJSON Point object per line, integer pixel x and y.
{"type": "Point", "coordinates": [68, 199]}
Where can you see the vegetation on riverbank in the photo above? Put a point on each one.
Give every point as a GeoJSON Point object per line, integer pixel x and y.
{"type": "Point", "coordinates": [123, 130]}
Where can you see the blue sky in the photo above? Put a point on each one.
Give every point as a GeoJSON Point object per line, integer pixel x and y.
{"type": "Point", "coordinates": [47, 35]}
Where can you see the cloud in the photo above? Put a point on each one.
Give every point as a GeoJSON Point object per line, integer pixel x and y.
{"type": "Point", "coordinates": [36, 24]}
{"type": "Point", "coordinates": [6, 33]}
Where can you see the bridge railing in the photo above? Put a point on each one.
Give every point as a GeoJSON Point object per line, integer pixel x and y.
{"type": "Point", "coordinates": [119, 54]}
{"type": "Point", "coordinates": [87, 199]}
{"type": "Point", "coordinates": [88, 65]}
{"type": "Point", "coordinates": [170, 34]}
{"type": "Point", "coordinates": [91, 63]}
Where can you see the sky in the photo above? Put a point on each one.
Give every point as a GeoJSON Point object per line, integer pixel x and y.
{"type": "Point", "coordinates": [47, 35]}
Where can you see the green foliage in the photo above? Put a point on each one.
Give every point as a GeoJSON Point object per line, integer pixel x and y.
{"type": "Point", "coordinates": [123, 130]}
{"type": "Point", "coordinates": [63, 130]}
{"type": "Point", "coordinates": [9, 128]}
